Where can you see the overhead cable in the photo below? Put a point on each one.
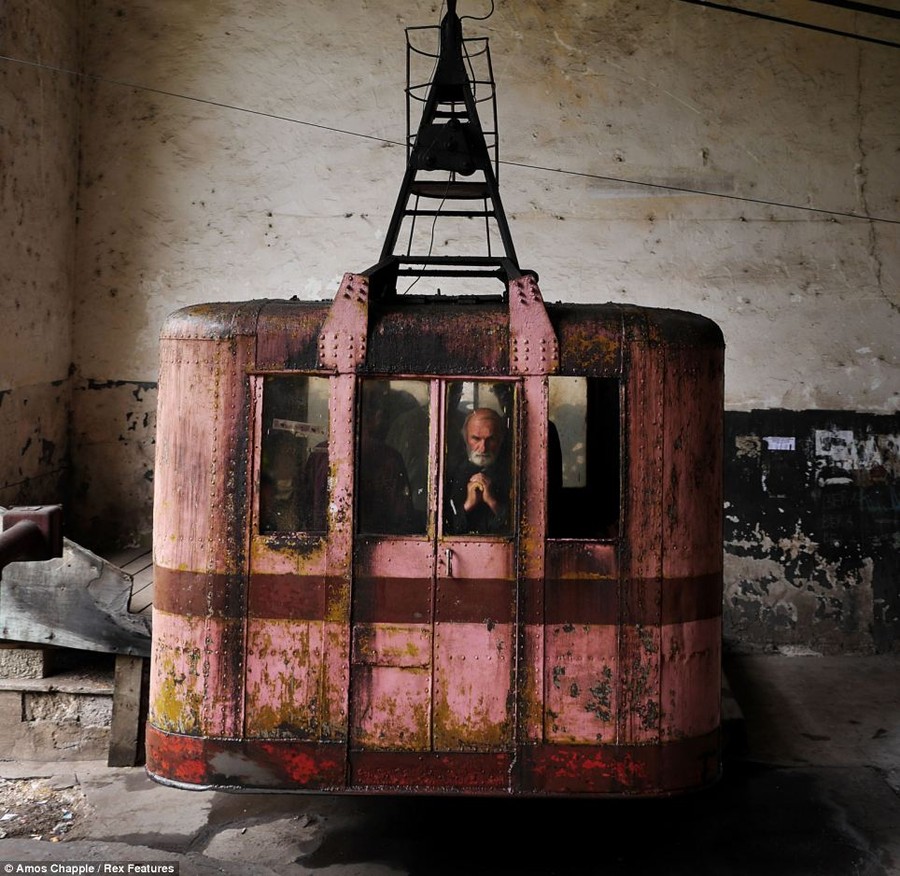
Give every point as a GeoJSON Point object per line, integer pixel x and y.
{"type": "Point", "coordinates": [868, 8]}
{"type": "Point", "coordinates": [348, 133]}
{"type": "Point", "coordinates": [749, 12]}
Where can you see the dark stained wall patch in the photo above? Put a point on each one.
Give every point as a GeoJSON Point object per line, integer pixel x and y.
{"type": "Point", "coordinates": [812, 530]}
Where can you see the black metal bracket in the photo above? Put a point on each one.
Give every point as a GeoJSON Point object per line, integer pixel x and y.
{"type": "Point", "coordinates": [449, 142]}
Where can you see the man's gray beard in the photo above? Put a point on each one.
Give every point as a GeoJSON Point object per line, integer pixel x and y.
{"type": "Point", "coordinates": [482, 460]}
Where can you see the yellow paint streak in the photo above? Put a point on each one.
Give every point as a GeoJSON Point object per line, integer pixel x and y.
{"type": "Point", "coordinates": [177, 706]}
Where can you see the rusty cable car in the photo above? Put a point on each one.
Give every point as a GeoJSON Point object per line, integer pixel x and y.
{"type": "Point", "coordinates": [438, 544]}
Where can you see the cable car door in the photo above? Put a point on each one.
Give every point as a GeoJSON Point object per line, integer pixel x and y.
{"type": "Point", "coordinates": [434, 592]}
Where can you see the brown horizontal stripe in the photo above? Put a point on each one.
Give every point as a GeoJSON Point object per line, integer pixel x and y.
{"type": "Point", "coordinates": [645, 601]}
{"type": "Point", "coordinates": [641, 602]}
{"type": "Point", "coordinates": [430, 771]}
{"type": "Point", "coordinates": [581, 601]}
{"type": "Point", "coordinates": [199, 594]}
{"type": "Point", "coordinates": [462, 600]}
{"type": "Point", "coordinates": [392, 600]}
{"type": "Point", "coordinates": [532, 604]}
{"type": "Point", "coordinates": [651, 602]}
{"type": "Point", "coordinates": [690, 599]}
{"type": "Point", "coordinates": [296, 597]}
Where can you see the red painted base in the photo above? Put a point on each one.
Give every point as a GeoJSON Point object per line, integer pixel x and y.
{"type": "Point", "coordinates": [536, 770]}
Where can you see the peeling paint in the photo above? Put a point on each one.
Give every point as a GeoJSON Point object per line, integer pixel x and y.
{"type": "Point", "coordinates": [812, 534]}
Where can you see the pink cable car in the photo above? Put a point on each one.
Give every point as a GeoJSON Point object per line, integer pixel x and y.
{"type": "Point", "coordinates": [438, 544]}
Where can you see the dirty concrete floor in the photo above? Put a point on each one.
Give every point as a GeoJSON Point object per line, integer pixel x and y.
{"type": "Point", "coordinates": [811, 787]}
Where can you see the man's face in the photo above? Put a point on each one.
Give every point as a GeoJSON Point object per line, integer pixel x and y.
{"type": "Point", "coordinates": [483, 440]}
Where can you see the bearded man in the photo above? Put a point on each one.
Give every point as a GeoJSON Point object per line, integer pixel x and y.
{"type": "Point", "coordinates": [478, 488]}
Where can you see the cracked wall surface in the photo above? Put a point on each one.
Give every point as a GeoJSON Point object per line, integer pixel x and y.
{"type": "Point", "coordinates": [228, 151]}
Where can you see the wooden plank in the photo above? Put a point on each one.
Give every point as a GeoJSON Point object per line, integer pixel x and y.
{"type": "Point", "coordinates": [75, 601]}
{"type": "Point", "coordinates": [142, 591]}
{"type": "Point", "coordinates": [61, 683]}
{"type": "Point", "coordinates": [125, 556]}
{"type": "Point", "coordinates": [125, 736]}
{"type": "Point", "coordinates": [137, 563]}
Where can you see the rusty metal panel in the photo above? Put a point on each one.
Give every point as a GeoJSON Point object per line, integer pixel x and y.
{"type": "Point", "coordinates": [450, 338]}
{"type": "Point", "coordinates": [474, 559]}
{"type": "Point", "coordinates": [341, 472]}
{"type": "Point", "coordinates": [640, 599]}
{"type": "Point", "coordinates": [533, 345]}
{"type": "Point", "coordinates": [622, 770]}
{"type": "Point", "coordinates": [202, 459]}
{"type": "Point", "coordinates": [582, 561]}
{"type": "Point", "coordinates": [640, 680]}
{"type": "Point", "coordinates": [391, 599]}
{"type": "Point", "coordinates": [283, 678]}
{"type": "Point", "coordinates": [288, 554]}
{"type": "Point", "coordinates": [581, 674]}
{"type": "Point", "coordinates": [393, 581]}
{"type": "Point", "coordinates": [531, 566]}
{"type": "Point", "coordinates": [691, 678]}
{"type": "Point", "coordinates": [187, 418]}
{"type": "Point", "coordinates": [643, 460]}
{"type": "Point", "coordinates": [530, 670]}
{"type": "Point", "coordinates": [473, 678]}
{"type": "Point", "coordinates": [336, 678]}
{"type": "Point", "coordinates": [288, 335]}
{"type": "Point", "coordinates": [344, 336]}
{"type": "Point", "coordinates": [680, 328]}
{"type": "Point", "coordinates": [285, 653]}
{"type": "Point", "coordinates": [266, 764]}
{"type": "Point", "coordinates": [200, 528]}
{"type": "Point", "coordinates": [405, 646]}
{"type": "Point", "coordinates": [391, 706]}
{"type": "Point", "coordinates": [217, 321]}
{"type": "Point", "coordinates": [475, 645]}
{"type": "Point", "coordinates": [391, 691]}
{"type": "Point", "coordinates": [590, 338]}
{"type": "Point", "coordinates": [339, 557]}
{"type": "Point", "coordinates": [467, 772]}
{"type": "Point", "coordinates": [692, 523]}
{"type": "Point", "coordinates": [533, 468]}
{"type": "Point", "coordinates": [194, 676]}
{"type": "Point", "coordinates": [606, 770]}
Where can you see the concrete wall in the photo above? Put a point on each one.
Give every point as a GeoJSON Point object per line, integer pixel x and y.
{"type": "Point", "coordinates": [38, 173]}
{"type": "Point", "coordinates": [234, 150]}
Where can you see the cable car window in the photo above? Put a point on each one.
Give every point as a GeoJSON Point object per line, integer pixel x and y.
{"type": "Point", "coordinates": [478, 455]}
{"type": "Point", "coordinates": [293, 477]}
{"type": "Point", "coordinates": [393, 461]}
{"type": "Point", "coordinates": [583, 458]}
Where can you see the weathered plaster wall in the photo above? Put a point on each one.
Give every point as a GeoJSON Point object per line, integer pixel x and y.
{"type": "Point", "coordinates": [235, 150]}
{"type": "Point", "coordinates": [811, 534]}
{"type": "Point", "coordinates": [38, 171]}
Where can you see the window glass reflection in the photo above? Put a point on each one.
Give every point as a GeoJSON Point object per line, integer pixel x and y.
{"type": "Point", "coordinates": [393, 459]}
{"type": "Point", "coordinates": [478, 458]}
{"type": "Point", "coordinates": [583, 458]}
{"type": "Point", "coordinates": [293, 477]}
